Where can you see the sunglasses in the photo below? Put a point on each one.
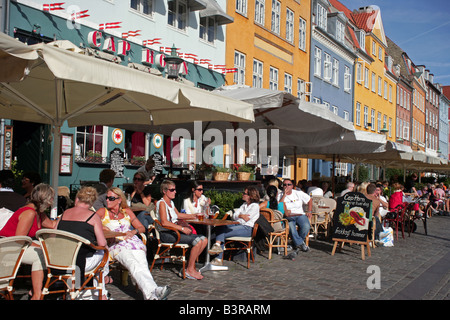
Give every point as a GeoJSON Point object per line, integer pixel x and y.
{"type": "Point", "coordinates": [171, 190]}
{"type": "Point", "coordinates": [112, 198]}
{"type": "Point", "coordinates": [138, 179]}
{"type": "Point", "coordinates": [287, 184]}
{"type": "Point", "coordinates": [199, 189]}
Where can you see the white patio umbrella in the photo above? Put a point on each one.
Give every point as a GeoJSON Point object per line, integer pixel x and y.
{"type": "Point", "coordinates": [61, 85]}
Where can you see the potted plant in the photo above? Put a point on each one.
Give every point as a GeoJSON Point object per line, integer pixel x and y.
{"type": "Point", "coordinates": [205, 171]}
{"type": "Point", "coordinates": [138, 160]}
{"type": "Point", "coordinates": [243, 172]}
{"type": "Point", "coordinates": [221, 173]}
{"type": "Point", "coordinates": [94, 156]}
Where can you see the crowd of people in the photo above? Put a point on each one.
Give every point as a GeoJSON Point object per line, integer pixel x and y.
{"type": "Point", "coordinates": [105, 207]}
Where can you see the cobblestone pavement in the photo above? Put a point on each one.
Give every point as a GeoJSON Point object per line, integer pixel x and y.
{"type": "Point", "coordinates": [416, 268]}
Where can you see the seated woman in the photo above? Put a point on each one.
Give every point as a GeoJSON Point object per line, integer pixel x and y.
{"type": "Point", "coordinates": [277, 207]}
{"type": "Point", "coordinates": [169, 216]}
{"type": "Point", "coordinates": [397, 198]}
{"type": "Point", "coordinates": [141, 200]}
{"type": "Point", "coordinates": [246, 215]}
{"type": "Point", "coordinates": [129, 250]}
{"type": "Point", "coordinates": [25, 222]}
{"type": "Point", "coordinates": [82, 221]}
{"type": "Point", "coordinates": [196, 200]}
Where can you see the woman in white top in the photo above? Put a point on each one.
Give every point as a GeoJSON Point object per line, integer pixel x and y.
{"type": "Point", "coordinates": [246, 215]}
{"type": "Point", "coordinates": [168, 215]}
{"type": "Point", "coordinates": [196, 200]}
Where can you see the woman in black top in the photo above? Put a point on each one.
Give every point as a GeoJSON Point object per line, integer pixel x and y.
{"type": "Point", "coordinates": [82, 221]}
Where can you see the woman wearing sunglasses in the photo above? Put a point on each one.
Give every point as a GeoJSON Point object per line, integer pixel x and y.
{"type": "Point", "coordinates": [196, 199]}
{"type": "Point", "coordinates": [169, 217]}
{"type": "Point", "coordinates": [141, 200]}
{"type": "Point", "coordinates": [129, 250]}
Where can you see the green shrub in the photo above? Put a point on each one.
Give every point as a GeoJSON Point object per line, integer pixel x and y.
{"type": "Point", "coordinates": [225, 200]}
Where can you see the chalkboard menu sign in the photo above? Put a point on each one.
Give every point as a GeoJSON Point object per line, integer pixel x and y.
{"type": "Point", "coordinates": [116, 158]}
{"type": "Point", "coordinates": [158, 158]}
{"type": "Point", "coordinates": [351, 218]}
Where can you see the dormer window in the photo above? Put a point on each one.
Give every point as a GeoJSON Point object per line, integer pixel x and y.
{"type": "Point", "coordinates": [362, 39]}
{"type": "Point", "coordinates": [340, 31]}
{"type": "Point", "coordinates": [321, 17]}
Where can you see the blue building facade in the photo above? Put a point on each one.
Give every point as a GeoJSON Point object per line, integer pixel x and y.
{"type": "Point", "coordinates": [332, 69]}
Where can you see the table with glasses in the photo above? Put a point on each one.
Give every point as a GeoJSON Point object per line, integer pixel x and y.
{"type": "Point", "coordinates": [209, 223]}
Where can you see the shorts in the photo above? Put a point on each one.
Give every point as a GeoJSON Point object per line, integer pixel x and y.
{"type": "Point", "coordinates": [190, 239]}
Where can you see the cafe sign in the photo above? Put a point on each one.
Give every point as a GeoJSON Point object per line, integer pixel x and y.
{"type": "Point", "coordinates": [351, 218]}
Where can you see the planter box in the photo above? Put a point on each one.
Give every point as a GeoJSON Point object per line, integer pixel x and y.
{"type": "Point", "coordinates": [243, 176]}
{"type": "Point", "coordinates": [221, 176]}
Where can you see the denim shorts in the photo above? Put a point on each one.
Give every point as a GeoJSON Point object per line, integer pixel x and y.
{"type": "Point", "coordinates": [190, 239]}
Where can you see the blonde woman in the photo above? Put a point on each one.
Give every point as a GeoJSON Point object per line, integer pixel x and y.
{"type": "Point", "coordinates": [129, 250]}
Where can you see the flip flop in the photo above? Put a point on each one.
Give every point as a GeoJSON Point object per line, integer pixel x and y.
{"type": "Point", "coordinates": [188, 276]}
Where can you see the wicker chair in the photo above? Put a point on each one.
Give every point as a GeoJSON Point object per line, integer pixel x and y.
{"type": "Point", "coordinates": [166, 250]}
{"type": "Point", "coordinates": [11, 253]}
{"type": "Point", "coordinates": [61, 249]}
{"type": "Point", "coordinates": [280, 233]}
{"type": "Point", "coordinates": [242, 243]}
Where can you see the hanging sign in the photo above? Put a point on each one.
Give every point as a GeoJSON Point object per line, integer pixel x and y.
{"type": "Point", "coordinates": [117, 136]}
{"type": "Point", "coordinates": [157, 141]}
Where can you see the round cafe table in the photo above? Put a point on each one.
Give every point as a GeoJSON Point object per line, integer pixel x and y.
{"type": "Point", "coordinates": [209, 223]}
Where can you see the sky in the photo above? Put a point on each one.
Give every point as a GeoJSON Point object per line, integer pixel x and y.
{"type": "Point", "coordinates": [420, 27]}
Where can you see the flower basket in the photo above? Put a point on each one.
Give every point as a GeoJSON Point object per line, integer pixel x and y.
{"type": "Point", "coordinates": [221, 176]}
{"type": "Point", "coordinates": [243, 176]}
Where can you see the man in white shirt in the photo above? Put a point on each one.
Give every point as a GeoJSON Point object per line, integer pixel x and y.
{"type": "Point", "coordinates": [350, 188]}
{"type": "Point", "coordinates": [294, 201]}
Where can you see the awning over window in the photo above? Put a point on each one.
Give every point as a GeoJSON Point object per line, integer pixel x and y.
{"type": "Point", "coordinates": [214, 10]}
{"type": "Point", "coordinates": [195, 5]}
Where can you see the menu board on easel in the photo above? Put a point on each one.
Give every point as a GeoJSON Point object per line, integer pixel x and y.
{"type": "Point", "coordinates": [65, 167]}
{"type": "Point", "coordinates": [351, 220]}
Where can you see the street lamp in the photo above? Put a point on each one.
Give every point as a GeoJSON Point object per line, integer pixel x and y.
{"type": "Point", "coordinates": [173, 63]}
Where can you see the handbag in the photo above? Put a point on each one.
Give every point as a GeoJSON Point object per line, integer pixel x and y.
{"type": "Point", "coordinates": [184, 224]}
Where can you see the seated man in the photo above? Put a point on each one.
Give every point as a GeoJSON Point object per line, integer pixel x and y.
{"type": "Point", "coordinates": [294, 200]}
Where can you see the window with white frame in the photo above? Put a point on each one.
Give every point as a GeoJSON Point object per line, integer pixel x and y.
{"type": "Point", "coordinates": [142, 6]}
{"type": "Point", "coordinates": [316, 100]}
{"type": "Point", "coordinates": [380, 53]}
{"type": "Point", "coordinates": [379, 86]}
{"type": "Point", "coordinates": [372, 119]}
{"type": "Point", "coordinates": [257, 74]}
{"type": "Point", "coordinates": [260, 11]}
{"type": "Point", "coordinates": [273, 78]}
{"type": "Point", "coordinates": [399, 131]}
{"type": "Point", "coordinates": [335, 110]}
{"type": "Point", "coordinates": [317, 62]}
{"type": "Point", "coordinates": [362, 39]}
{"type": "Point", "coordinates": [385, 90]}
{"type": "Point", "coordinates": [90, 142]}
{"type": "Point", "coordinates": [366, 77]}
{"type": "Point", "coordinates": [379, 122]}
{"type": "Point", "coordinates": [390, 93]}
{"type": "Point", "coordinates": [326, 104]}
{"type": "Point", "coordinates": [406, 131]}
{"type": "Point", "coordinates": [358, 114]}
{"type": "Point", "coordinates": [359, 73]}
{"type": "Point", "coordinates": [288, 82]}
{"type": "Point", "coordinates": [373, 81]}
{"type": "Point", "coordinates": [327, 66]}
{"type": "Point", "coordinates": [239, 64]}
{"type": "Point", "coordinates": [335, 72]}
{"type": "Point", "coordinates": [340, 31]}
{"type": "Point", "coordinates": [177, 14]}
{"type": "Point", "coordinates": [366, 116]}
{"type": "Point", "coordinates": [374, 48]}
{"type": "Point", "coordinates": [302, 34]}
{"type": "Point", "coordinates": [321, 17]}
{"type": "Point", "coordinates": [385, 121]}
{"type": "Point", "coordinates": [289, 25]}
{"type": "Point", "coordinates": [303, 89]}
{"type": "Point", "coordinates": [390, 127]}
{"type": "Point", "coordinates": [207, 30]}
{"type": "Point", "coordinates": [276, 12]}
{"type": "Point", "coordinates": [400, 97]}
{"type": "Point", "coordinates": [346, 116]}
{"type": "Point", "coordinates": [241, 7]}
{"type": "Point", "coordinates": [347, 79]}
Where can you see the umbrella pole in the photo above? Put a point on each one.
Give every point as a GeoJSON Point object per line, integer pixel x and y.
{"type": "Point", "coordinates": [333, 184]}
{"type": "Point", "coordinates": [56, 158]}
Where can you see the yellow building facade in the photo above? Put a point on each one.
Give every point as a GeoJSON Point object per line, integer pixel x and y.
{"type": "Point", "coordinates": [375, 85]}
